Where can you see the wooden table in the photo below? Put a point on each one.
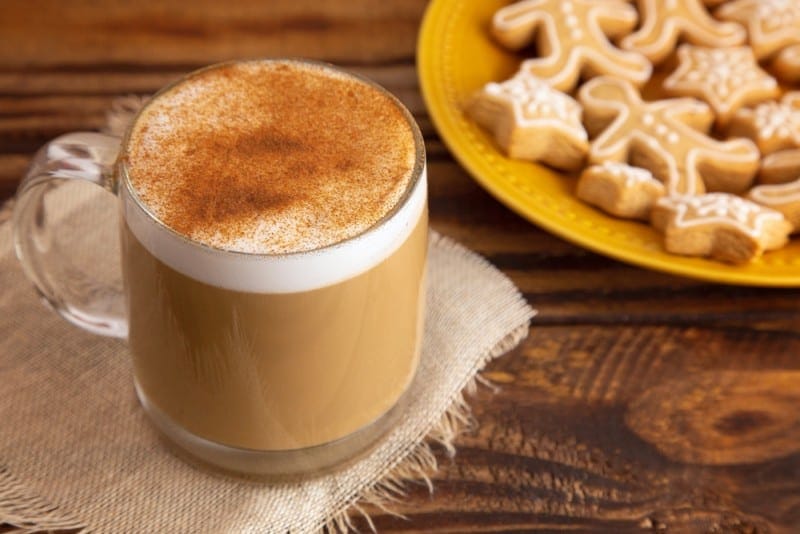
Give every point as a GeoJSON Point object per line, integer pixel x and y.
{"type": "Point", "coordinates": [639, 402]}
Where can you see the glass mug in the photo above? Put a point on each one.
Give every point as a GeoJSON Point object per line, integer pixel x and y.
{"type": "Point", "coordinates": [274, 363]}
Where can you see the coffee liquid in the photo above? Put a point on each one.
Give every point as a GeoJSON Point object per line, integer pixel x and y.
{"type": "Point", "coordinates": [276, 371]}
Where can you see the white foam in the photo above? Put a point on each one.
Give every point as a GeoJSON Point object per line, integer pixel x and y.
{"type": "Point", "coordinates": [287, 273]}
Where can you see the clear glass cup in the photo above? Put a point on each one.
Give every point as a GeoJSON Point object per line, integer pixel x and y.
{"type": "Point", "coordinates": [269, 364]}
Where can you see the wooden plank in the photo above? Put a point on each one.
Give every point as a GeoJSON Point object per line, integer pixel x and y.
{"type": "Point", "coordinates": [143, 79]}
{"type": "Point", "coordinates": [24, 82]}
{"type": "Point", "coordinates": [45, 32]}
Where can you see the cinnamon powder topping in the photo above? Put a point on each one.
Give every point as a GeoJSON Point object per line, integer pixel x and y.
{"type": "Point", "coordinates": [271, 157]}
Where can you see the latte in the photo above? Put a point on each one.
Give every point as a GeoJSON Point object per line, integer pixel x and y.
{"type": "Point", "coordinates": [274, 245]}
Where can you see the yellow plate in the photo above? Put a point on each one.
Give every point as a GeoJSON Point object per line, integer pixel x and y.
{"type": "Point", "coordinates": [455, 58]}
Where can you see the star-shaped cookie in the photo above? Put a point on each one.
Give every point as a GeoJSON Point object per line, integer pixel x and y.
{"type": "Point", "coordinates": [726, 78]}
{"type": "Point", "coordinates": [665, 21]}
{"type": "Point", "coordinates": [663, 136]}
{"type": "Point", "coordinates": [773, 126]}
{"type": "Point", "coordinates": [719, 225]}
{"type": "Point", "coordinates": [530, 120]}
{"type": "Point", "coordinates": [572, 39]}
{"type": "Point", "coordinates": [771, 24]}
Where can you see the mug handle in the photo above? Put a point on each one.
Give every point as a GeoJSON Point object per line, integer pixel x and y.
{"type": "Point", "coordinates": [83, 301]}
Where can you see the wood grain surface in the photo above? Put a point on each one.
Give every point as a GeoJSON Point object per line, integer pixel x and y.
{"type": "Point", "coordinates": [640, 402]}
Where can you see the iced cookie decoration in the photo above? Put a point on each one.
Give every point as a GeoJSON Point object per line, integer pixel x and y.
{"type": "Point", "coordinates": [572, 38]}
{"type": "Point", "coordinates": [786, 65]}
{"type": "Point", "coordinates": [619, 189]}
{"type": "Point", "coordinates": [772, 25]}
{"type": "Point", "coordinates": [772, 125]}
{"type": "Point", "coordinates": [719, 225]}
{"type": "Point", "coordinates": [784, 198]}
{"type": "Point", "coordinates": [664, 137]}
{"type": "Point", "coordinates": [532, 121]}
{"type": "Point", "coordinates": [726, 78]}
{"type": "Point", "coordinates": [780, 167]}
{"type": "Point", "coordinates": [666, 21]}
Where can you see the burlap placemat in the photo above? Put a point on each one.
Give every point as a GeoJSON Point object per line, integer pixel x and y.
{"type": "Point", "coordinates": [76, 451]}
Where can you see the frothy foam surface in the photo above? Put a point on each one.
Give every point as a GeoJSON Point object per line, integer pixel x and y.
{"type": "Point", "coordinates": [271, 157]}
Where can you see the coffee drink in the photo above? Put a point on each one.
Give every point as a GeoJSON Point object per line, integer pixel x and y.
{"type": "Point", "coordinates": [274, 241]}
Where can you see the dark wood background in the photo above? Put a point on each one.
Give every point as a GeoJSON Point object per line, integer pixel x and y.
{"type": "Point", "coordinates": [640, 402]}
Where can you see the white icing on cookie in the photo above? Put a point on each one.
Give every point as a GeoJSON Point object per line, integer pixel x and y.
{"type": "Point", "coordinates": [776, 15]}
{"type": "Point", "coordinates": [575, 38]}
{"type": "Point", "coordinates": [632, 175]}
{"type": "Point", "coordinates": [535, 103]}
{"type": "Point", "coordinates": [772, 119]}
{"type": "Point", "coordinates": [724, 77]}
{"type": "Point", "coordinates": [721, 208]}
{"type": "Point", "coordinates": [775, 120]}
{"type": "Point", "coordinates": [771, 24]}
{"type": "Point", "coordinates": [776, 194]}
{"type": "Point", "coordinates": [665, 21]}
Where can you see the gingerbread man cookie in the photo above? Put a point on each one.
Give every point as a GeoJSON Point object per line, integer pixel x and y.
{"type": "Point", "coordinates": [726, 78]}
{"type": "Point", "coordinates": [532, 121]}
{"type": "Point", "coordinates": [619, 189]}
{"type": "Point", "coordinates": [772, 125]}
{"type": "Point", "coordinates": [780, 167]}
{"type": "Point", "coordinates": [665, 21]}
{"type": "Point", "coordinates": [572, 38]}
{"type": "Point", "coordinates": [771, 24]}
{"type": "Point", "coordinates": [719, 225]}
{"type": "Point", "coordinates": [663, 137]}
{"type": "Point", "coordinates": [784, 198]}
{"type": "Point", "coordinates": [786, 65]}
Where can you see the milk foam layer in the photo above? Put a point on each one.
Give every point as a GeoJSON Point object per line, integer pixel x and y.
{"type": "Point", "coordinates": [287, 273]}
{"type": "Point", "coordinates": [271, 157]}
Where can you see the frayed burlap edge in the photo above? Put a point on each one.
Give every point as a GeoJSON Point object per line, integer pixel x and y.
{"type": "Point", "coordinates": [417, 464]}
{"type": "Point", "coordinates": [30, 513]}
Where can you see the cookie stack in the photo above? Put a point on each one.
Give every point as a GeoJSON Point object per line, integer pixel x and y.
{"type": "Point", "coordinates": [714, 166]}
